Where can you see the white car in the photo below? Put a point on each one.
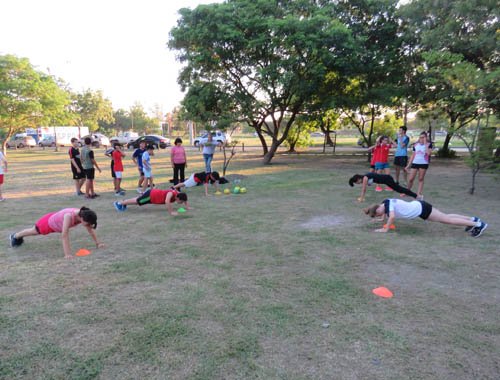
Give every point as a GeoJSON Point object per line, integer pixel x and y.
{"type": "Point", "coordinates": [124, 138]}
{"type": "Point", "coordinates": [98, 140]}
{"type": "Point", "coordinates": [218, 137]}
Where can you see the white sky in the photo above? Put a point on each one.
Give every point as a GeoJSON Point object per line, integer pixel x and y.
{"type": "Point", "coordinates": [117, 46]}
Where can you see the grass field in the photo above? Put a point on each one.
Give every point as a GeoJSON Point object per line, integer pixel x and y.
{"type": "Point", "coordinates": [273, 284]}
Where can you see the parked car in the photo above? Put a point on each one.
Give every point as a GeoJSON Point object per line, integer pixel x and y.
{"type": "Point", "coordinates": [21, 141]}
{"type": "Point", "coordinates": [440, 133]}
{"type": "Point", "coordinates": [317, 134]}
{"type": "Point", "coordinates": [98, 140]}
{"type": "Point", "coordinates": [124, 138]}
{"type": "Point", "coordinates": [47, 141]}
{"type": "Point", "coordinates": [219, 137]}
{"type": "Point", "coordinates": [156, 140]}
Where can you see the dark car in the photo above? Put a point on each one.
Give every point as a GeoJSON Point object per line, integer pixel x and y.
{"type": "Point", "coordinates": [155, 140]}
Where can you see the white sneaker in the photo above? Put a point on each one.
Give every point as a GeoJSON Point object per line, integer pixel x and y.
{"type": "Point", "coordinates": [139, 190]}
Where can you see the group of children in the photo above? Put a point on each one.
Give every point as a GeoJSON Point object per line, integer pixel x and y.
{"type": "Point", "coordinates": [83, 165]}
{"type": "Point", "coordinates": [418, 163]}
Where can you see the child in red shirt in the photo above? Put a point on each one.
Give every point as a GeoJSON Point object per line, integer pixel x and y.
{"type": "Point", "coordinates": [118, 168]}
{"type": "Point", "coordinates": [156, 197]}
{"type": "Point", "coordinates": [381, 157]}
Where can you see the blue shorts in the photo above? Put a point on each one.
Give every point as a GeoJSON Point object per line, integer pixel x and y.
{"type": "Point", "coordinates": [380, 165]}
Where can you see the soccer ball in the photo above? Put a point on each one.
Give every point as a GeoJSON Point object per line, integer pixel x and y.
{"type": "Point", "coordinates": [243, 190]}
{"type": "Point", "coordinates": [236, 190]}
{"type": "Point", "coordinates": [226, 191]}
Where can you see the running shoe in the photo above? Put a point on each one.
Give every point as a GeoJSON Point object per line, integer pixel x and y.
{"type": "Point", "coordinates": [388, 188]}
{"type": "Point", "coordinates": [478, 231]}
{"type": "Point", "coordinates": [14, 243]}
{"type": "Point", "coordinates": [94, 196]}
{"type": "Point", "coordinates": [79, 193]}
{"type": "Point", "coordinates": [118, 206]}
{"type": "Point", "coordinates": [378, 188]}
{"type": "Point", "coordinates": [420, 198]}
{"type": "Point", "coordinates": [139, 190]}
{"type": "Point", "coordinates": [469, 228]}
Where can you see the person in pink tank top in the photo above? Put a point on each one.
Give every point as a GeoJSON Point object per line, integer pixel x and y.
{"type": "Point", "coordinates": [178, 160]}
{"type": "Point", "coordinates": [61, 222]}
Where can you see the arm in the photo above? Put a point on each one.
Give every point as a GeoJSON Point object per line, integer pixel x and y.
{"type": "Point", "coordinates": [169, 205]}
{"type": "Point", "coordinates": [389, 223]}
{"type": "Point", "coordinates": [94, 236]}
{"type": "Point", "coordinates": [73, 162]}
{"type": "Point", "coordinates": [187, 206]}
{"type": "Point", "coordinates": [410, 161]}
{"type": "Point", "coordinates": [65, 235]}
{"type": "Point", "coordinates": [145, 165]}
{"type": "Point", "coordinates": [134, 160]}
{"type": "Point", "coordinates": [4, 164]}
{"type": "Point", "coordinates": [95, 164]}
{"type": "Point", "coordinates": [363, 190]}
{"type": "Point", "coordinates": [172, 157]}
{"type": "Point", "coordinates": [206, 188]}
{"type": "Point", "coordinates": [185, 159]}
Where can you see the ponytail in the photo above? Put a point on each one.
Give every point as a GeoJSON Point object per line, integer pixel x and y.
{"type": "Point", "coordinates": [88, 216]}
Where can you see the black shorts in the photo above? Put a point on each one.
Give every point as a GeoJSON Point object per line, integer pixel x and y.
{"type": "Point", "coordinates": [372, 166]}
{"type": "Point", "coordinates": [426, 210]}
{"type": "Point", "coordinates": [77, 175]}
{"type": "Point", "coordinates": [401, 161]}
{"type": "Point", "coordinates": [420, 166]}
{"type": "Point", "coordinates": [141, 173]}
{"type": "Point", "coordinates": [90, 173]}
{"type": "Point", "coordinates": [144, 199]}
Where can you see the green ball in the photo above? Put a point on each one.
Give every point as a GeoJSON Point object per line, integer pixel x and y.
{"type": "Point", "coordinates": [236, 190]}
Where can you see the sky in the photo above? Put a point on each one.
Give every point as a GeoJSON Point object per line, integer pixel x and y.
{"type": "Point", "coordinates": [118, 47]}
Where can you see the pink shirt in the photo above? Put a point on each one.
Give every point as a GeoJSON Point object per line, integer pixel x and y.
{"type": "Point", "coordinates": [56, 221]}
{"type": "Point", "coordinates": [177, 154]}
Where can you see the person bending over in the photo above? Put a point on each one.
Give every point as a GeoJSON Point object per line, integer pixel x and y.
{"type": "Point", "coordinates": [156, 197]}
{"type": "Point", "coordinates": [383, 179]}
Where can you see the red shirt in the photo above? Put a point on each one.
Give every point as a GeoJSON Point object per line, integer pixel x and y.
{"type": "Point", "coordinates": [117, 158]}
{"type": "Point", "coordinates": [158, 196]}
{"type": "Point", "coordinates": [381, 153]}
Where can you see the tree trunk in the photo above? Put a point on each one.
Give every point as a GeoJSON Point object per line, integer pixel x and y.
{"type": "Point", "coordinates": [291, 149]}
{"type": "Point", "coordinates": [446, 143]}
{"type": "Point", "coordinates": [326, 131]}
{"type": "Point", "coordinates": [270, 154]}
{"type": "Point", "coordinates": [473, 186]}
{"type": "Point", "coordinates": [263, 142]}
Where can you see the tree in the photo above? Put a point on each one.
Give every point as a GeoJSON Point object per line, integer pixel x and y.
{"type": "Point", "coordinates": [480, 143]}
{"type": "Point", "coordinates": [298, 135]}
{"type": "Point", "coordinates": [27, 97]}
{"type": "Point", "coordinates": [268, 57]}
{"type": "Point", "coordinates": [90, 108]}
{"type": "Point", "coordinates": [376, 79]}
{"type": "Point", "coordinates": [454, 39]}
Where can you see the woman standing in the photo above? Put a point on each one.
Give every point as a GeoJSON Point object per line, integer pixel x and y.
{"type": "Point", "coordinates": [178, 160]}
{"type": "Point", "coordinates": [419, 162]}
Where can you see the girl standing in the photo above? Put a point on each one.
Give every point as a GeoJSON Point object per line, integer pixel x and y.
{"type": "Point", "coordinates": [178, 160]}
{"type": "Point", "coordinates": [419, 162]}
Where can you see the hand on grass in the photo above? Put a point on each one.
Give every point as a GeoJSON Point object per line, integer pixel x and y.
{"type": "Point", "coordinates": [174, 213]}
{"type": "Point", "coordinates": [189, 208]}
{"type": "Point", "coordinates": [100, 245]}
{"type": "Point", "coordinates": [381, 230]}
{"type": "Point", "coordinates": [68, 256]}
{"type": "Point", "coordinates": [361, 199]}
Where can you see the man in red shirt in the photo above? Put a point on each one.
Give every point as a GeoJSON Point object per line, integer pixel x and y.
{"type": "Point", "coordinates": [118, 168]}
{"type": "Point", "coordinates": [156, 197]}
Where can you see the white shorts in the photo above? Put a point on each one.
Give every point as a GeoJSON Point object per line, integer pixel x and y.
{"type": "Point", "coordinates": [190, 182]}
{"type": "Point", "coordinates": [147, 173]}
{"type": "Point", "coordinates": [118, 174]}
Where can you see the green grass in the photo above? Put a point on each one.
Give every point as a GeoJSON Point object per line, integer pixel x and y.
{"type": "Point", "coordinates": [241, 286]}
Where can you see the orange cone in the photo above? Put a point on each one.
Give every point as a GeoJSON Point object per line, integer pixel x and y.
{"type": "Point", "coordinates": [382, 292]}
{"type": "Point", "coordinates": [393, 227]}
{"type": "Point", "coordinates": [83, 252]}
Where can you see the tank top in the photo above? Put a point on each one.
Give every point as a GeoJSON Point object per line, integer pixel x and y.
{"type": "Point", "coordinates": [56, 221]}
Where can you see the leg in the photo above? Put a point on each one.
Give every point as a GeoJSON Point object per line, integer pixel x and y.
{"type": "Point", "coordinates": [91, 185]}
{"type": "Point", "coordinates": [176, 174]}
{"type": "Point", "coordinates": [413, 173]}
{"type": "Point", "coordinates": [80, 184]}
{"type": "Point", "coordinates": [131, 201]}
{"type": "Point", "coordinates": [421, 176]}
{"type": "Point", "coordinates": [398, 169]}
{"type": "Point", "coordinates": [400, 189]}
{"type": "Point", "coordinates": [453, 219]}
{"type": "Point", "coordinates": [27, 232]}
{"type": "Point", "coordinates": [387, 171]}
{"type": "Point", "coordinates": [182, 167]}
{"type": "Point", "coordinates": [87, 188]}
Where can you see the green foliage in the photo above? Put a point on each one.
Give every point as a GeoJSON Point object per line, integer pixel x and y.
{"type": "Point", "coordinates": [91, 107]}
{"type": "Point", "coordinates": [298, 136]}
{"type": "Point", "coordinates": [28, 97]}
{"type": "Point", "coordinates": [264, 59]}
{"type": "Point", "coordinates": [387, 126]}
